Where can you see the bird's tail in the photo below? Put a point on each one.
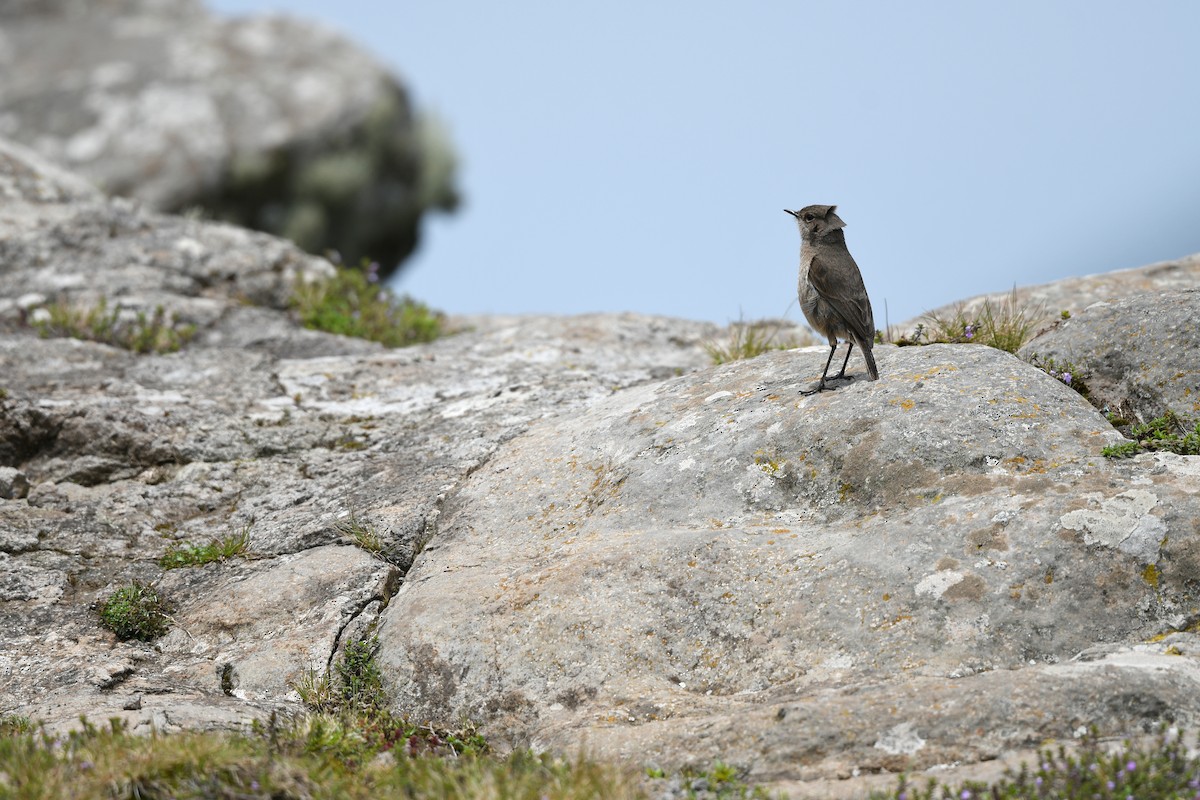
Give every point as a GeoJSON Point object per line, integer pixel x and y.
{"type": "Point", "coordinates": [869, 357]}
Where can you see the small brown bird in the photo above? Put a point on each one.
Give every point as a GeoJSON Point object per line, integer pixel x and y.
{"type": "Point", "coordinates": [832, 295]}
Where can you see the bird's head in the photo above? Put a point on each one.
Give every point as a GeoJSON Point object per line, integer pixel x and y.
{"type": "Point", "coordinates": [816, 221]}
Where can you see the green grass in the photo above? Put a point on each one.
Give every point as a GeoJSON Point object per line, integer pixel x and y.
{"type": "Point", "coordinates": [280, 764]}
{"type": "Point", "coordinates": [192, 555]}
{"type": "Point", "coordinates": [1005, 325]}
{"type": "Point", "coordinates": [155, 333]}
{"type": "Point", "coordinates": [1170, 433]}
{"type": "Point", "coordinates": [135, 611]}
{"type": "Point", "coordinates": [364, 534]}
{"type": "Point", "coordinates": [749, 339]}
{"type": "Point", "coordinates": [1158, 769]}
{"type": "Point", "coordinates": [352, 304]}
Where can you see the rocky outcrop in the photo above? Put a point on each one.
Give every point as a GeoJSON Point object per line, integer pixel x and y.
{"type": "Point", "coordinates": [1135, 353]}
{"type": "Point", "coordinates": [269, 122]}
{"type": "Point", "coordinates": [584, 535]}
{"type": "Point", "coordinates": [1044, 303]}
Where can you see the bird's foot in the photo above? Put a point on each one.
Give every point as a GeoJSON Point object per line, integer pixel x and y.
{"type": "Point", "coordinates": [822, 386]}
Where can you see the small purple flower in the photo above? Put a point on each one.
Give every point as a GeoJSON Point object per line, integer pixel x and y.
{"type": "Point", "coordinates": [373, 272]}
{"type": "Point", "coordinates": [86, 765]}
{"type": "Point", "coordinates": [1111, 785]}
{"type": "Point", "coordinates": [1131, 766]}
{"type": "Point", "coordinates": [1038, 780]}
{"type": "Point", "coordinates": [966, 794]}
{"type": "Point", "coordinates": [970, 331]}
{"type": "Point", "coordinates": [1066, 378]}
{"type": "Point", "coordinates": [254, 786]}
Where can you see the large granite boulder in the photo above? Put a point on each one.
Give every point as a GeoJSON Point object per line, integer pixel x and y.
{"type": "Point", "coordinates": [584, 535]}
{"type": "Point", "coordinates": [269, 122]}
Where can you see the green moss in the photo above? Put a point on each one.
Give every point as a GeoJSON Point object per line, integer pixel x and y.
{"type": "Point", "coordinates": [135, 611]}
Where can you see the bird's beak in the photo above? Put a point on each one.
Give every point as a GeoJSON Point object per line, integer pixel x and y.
{"type": "Point", "coordinates": [793, 213]}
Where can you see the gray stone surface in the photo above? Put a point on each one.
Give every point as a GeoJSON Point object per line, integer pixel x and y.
{"type": "Point", "coordinates": [715, 555]}
{"type": "Point", "coordinates": [267, 121]}
{"type": "Point", "coordinates": [1075, 294]}
{"type": "Point", "coordinates": [588, 534]}
{"type": "Point", "coordinates": [1140, 354]}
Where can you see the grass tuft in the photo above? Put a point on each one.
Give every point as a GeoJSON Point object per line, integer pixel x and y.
{"type": "Point", "coordinates": [749, 339]}
{"type": "Point", "coordinates": [1005, 325]}
{"type": "Point", "coordinates": [141, 333]}
{"type": "Point", "coordinates": [192, 555]}
{"type": "Point", "coordinates": [364, 534]}
{"type": "Point", "coordinates": [135, 611]}
{"type": "Point", "coordinates": [353, 303]}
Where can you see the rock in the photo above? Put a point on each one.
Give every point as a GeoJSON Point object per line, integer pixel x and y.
{"type": "Point", "coordinates": [13, 484]}
{"type": "Point", "coordinates": [1046, 302]}
{"type": "Point", "coordinates": [569, 530]}
{"type": "Point", "coordinates": [269, 122]}
{"type": "Point", "coordinates": [672, 569]}
{"type": "Point", "coordinates": [1139, 354]}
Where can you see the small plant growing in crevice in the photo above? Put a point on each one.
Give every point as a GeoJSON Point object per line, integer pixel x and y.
{"type": "Point", "coordinates": [1071, 374]}
{"type": "Point", "coordinates": [192, 555]}
{"type": "Point", "coordinates": [351, 717]}
{"type": "Point", "coordinates": [364, 534]}
{"type": "Point", "coordinates": [353, 303]}
{"type": "Point", "coordinates": [1170, 432]}
{"type": "Point", "coordinates": [141, 333]}
{"type": "Point", "coordinates": [135, 611]}
{"type": "Point", "coordinates": [750, 339]}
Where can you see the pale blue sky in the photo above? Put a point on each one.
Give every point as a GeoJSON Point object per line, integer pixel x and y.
{"type": "Point", "coordinates": [636, 156]}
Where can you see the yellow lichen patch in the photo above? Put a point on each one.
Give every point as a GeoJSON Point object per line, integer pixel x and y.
{"type": "Point", "coordinates": [1049, 577]}
{"type": "Point", "coordinates": [905, 403]}
{"type": "Point", "coordinates": [893, 622]}
{"type": "Point", "coordinates": [1151, 575]}
{"type": "Point", "coordinates": [917, 377]}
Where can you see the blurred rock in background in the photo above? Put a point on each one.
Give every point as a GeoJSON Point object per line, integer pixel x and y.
{"type": "Point", "coordinates": [272, 123]}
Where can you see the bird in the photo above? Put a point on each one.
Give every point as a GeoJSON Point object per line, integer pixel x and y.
{"type": "Point", "coordinates": [832, 294]}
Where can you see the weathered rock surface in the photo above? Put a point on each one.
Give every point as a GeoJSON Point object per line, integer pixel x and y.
{"type": "Point", "coordinates": [269, 122]}
{"type": "Point", "coordinates": [795, 579]}
{"type": "Point", "coordinates": [1075, 294]}
{"type": "Point", "coordinates": [1140, 354]}
{"type": "Point", "coordinates": [588, 535]}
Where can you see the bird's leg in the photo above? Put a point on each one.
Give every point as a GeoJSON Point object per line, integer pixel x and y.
{"type": "Point", "coordinates": [828, 361]}
{"type": "Point", "coordinates": [842, 374]}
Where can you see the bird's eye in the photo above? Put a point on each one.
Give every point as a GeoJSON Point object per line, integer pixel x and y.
{"type": "Point", "coordinates": [809, 217]}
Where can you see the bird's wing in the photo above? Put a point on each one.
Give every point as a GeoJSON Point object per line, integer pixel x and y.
{"type": "Point", "coordinates": [840, 284]}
